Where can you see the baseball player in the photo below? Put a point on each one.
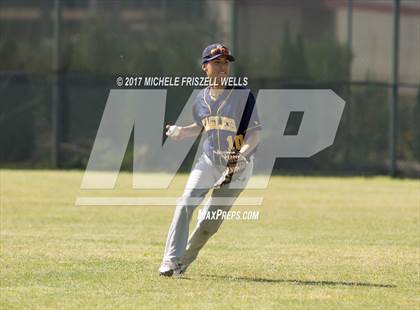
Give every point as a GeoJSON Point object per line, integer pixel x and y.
{"type": "Point", "coordinates": [228, 118]}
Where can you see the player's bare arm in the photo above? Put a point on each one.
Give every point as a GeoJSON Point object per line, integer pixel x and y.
{"type": "Point", "coordinates": [251, 141]}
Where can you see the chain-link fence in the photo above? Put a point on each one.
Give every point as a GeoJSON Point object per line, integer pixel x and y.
{"type": "Point", "coordinates": [50, 113]}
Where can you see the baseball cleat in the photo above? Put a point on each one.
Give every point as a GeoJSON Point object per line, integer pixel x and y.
{"type": "Point", "coordinates": [171, 269]}
{"type": "Point", "coordinates": [182, 269]}
{"type": "Point", "coordinates": [167, 270]}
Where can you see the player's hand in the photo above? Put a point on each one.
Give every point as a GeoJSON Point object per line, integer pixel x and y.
{"type": "Point", "coordinates": [174, 132]}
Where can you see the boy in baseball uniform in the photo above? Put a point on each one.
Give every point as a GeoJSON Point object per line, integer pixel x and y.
{"type": "Point", "coordinates": [228, 118]}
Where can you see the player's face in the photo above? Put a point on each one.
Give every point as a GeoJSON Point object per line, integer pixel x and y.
{"type": "Point", "coordinates": [217, 68]}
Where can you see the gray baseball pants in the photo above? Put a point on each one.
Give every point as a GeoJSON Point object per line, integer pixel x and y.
{"type": "Point", "coordinates": [181, 249]}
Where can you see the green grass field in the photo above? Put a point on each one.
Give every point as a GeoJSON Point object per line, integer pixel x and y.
{"type": "Point", "coordinates": [320, 243]}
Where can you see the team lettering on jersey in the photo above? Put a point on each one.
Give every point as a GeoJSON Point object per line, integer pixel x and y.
{"type": "Point", "coordinates": [219, 122]}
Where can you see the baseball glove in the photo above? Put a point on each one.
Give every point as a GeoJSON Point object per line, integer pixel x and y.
{"type": "Point", "coordinates": [236, 163]}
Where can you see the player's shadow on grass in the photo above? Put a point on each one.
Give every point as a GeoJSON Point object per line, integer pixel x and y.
{"type": "Point", "coordinates": [300, 282]}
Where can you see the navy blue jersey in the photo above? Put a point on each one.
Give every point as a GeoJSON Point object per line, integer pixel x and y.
{"type": "Point", "coordinates": [226, 120]}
